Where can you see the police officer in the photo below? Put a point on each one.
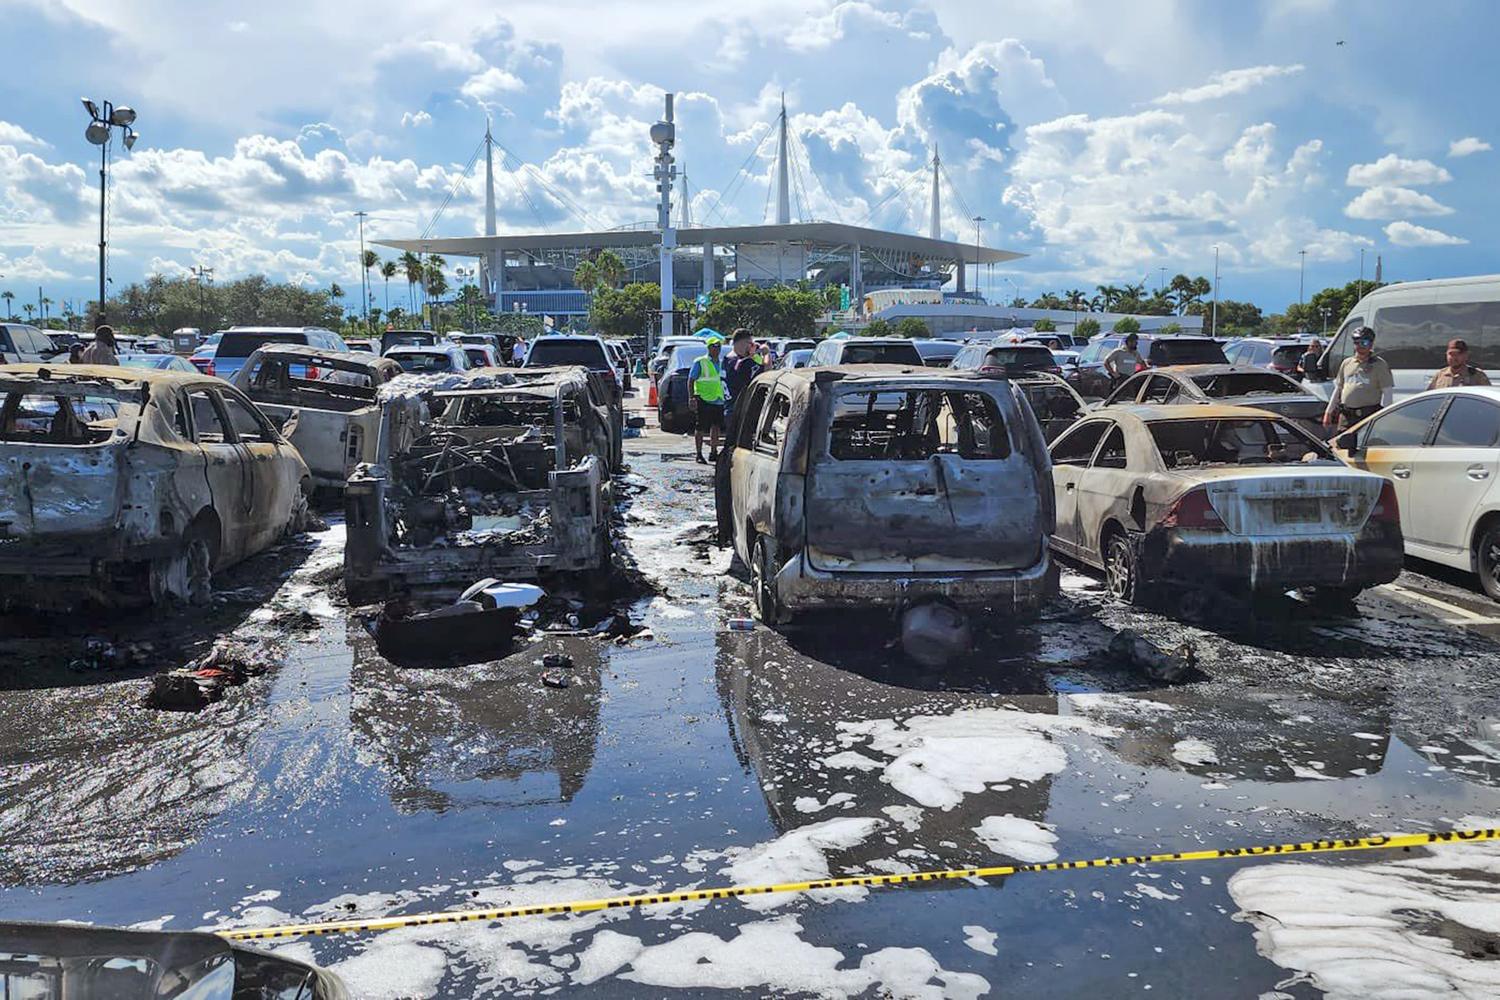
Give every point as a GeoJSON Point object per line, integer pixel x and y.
{"type": "Point", "coordinates": [1459, 372]}
{"type": "Point", "coordinates": [1362, 386]}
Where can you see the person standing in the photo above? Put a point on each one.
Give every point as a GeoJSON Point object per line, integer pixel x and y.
{"type": "Point", "coordinates": [706, 390]}
{"type": "Point", "coordinates": [742, 365]}
{"type": "Point", "coordinates": [1308, 363]}
{"type": "Point", "coordinates": [102, 350]}
{"type": "Point", "coordinates": [1125, 361]}
{"type": "Point", "coordinates": [518, 352]}
{"type": "Point", "coordinates": [1362, 386]}
{"type": "Point", "coordinates": [1459, 372]}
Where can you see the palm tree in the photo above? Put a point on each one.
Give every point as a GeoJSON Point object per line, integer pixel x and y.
{"type": "Point", "coordinates": [412, 265]}
{"type": "Point", "coordinates": [388, 271]}
{"type": "Point", "coordinates": [436, 282]}
{"type": "Point", "coordinates": [8, 297]}
{"type": "Point", "coordinates": [1108, 296]}
{"type": "Point", "coordinates": [586, 276]}
{"type": "Point", "coordinates": [610, 267]}
{"type": "Point", "coordinates": [29, 308]}
{"type": "Point", "coordinates": [1077, 299]}
{"type": "Point", "coordinates": [46, 304]}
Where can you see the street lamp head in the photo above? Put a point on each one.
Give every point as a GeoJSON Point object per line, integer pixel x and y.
{"type": "Point", "coordinates": [122, 116]}
{"type": "Point", "coordinates": [97, 133]}
{"type": "Point", "coordinates": [91, 108]}
{"type": "Point", "coordinates": [130, 138]}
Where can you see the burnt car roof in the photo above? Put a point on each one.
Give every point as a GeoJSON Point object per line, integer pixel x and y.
{"type": "Point", "coordinates": [64, 372]}
{"type": "Point", "coordinates": [348, 357]}
{"type": "Point", "coordinates": [1209, 411]}
{"type": "Point", "coordinates": [1214, 369]}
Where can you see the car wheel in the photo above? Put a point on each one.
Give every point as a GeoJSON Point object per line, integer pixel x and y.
{"type": "Point", "coordinates": [186, 575]}
{"type": "Point", "coordinates": [763, 584]}
{"type": "Point", "coordinates": [1122, 569]}
{"type": "Point", "coordinates": [301, 513]}
{"type": "Point", "coordinates": [1487, 560]}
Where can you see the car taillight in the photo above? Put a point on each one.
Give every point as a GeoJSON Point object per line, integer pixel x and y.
{"type": "Point", "coordinates": [991, 370]}
{"type": "Point", "coordinates": [1386, 508]}
{"type": "Point", "coordinates": [1192, 510]}
{"type": "Point", "coordinates": [312, 373]}
{"type": "Point", "coordinates": [208, 368]}
{"type": "Point", "coordinates": [1055, 369]}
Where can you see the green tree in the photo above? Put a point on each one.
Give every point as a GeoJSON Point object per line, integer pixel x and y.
{"type": "Point", "coordinates": [1171, 328]}
{"type": "Point", "coordinates": [629, 311]}
{"type": "Point", "coordinates": [1048, 301]}
{"type": "Point", "coordinates": [1186, 291]}
{"type": "Point", "coordinates": [610, 267]}
{"type": "Point", "coordinates": [388, 271]}
{"type": "Point", "coordinates": [913, 329]}
{"type": "Point", "coordinates": [777, 311]}
{"type": "Point", "coordinates": [1127, 324]}
{"type": "Point", "coordinates": [1076, 299]}
{"type": "Point", "coordinates": [586, 276]}
{"type": "Point", "coordinates": [411, 265]}
{"type": "Point", "coordinates": [434, 281]}
{"type": "Point", "coordinates": [1044, 325]}
{"type": "Point", "coordinates": [878, 328]}
{"type": "Point", "coordinates": [9, 297]}
{"type": "Point", "coordinates": [29, 309]}
{"type": "Point", "coordinates": [1086, 328]}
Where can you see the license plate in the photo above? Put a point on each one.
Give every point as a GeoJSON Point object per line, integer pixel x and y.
{"type": "Point", "coordinates": [1299, 511]}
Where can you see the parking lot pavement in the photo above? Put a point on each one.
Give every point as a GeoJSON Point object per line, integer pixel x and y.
{"type": "Point", "coordinates": [342, 784]}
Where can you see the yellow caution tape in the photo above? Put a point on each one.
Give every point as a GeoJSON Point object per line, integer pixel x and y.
{"type": "Point", "coordinates": [1381, 842]}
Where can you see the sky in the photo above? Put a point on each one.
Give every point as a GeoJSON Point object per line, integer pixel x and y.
{"type": "Point", "coordinates": [1106, 141]}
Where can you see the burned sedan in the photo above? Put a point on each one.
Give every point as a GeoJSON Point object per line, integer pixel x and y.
{"type": "Point", "coordinates": [512, 480]}
{"type": "Point", "coordinates": [887, 486]}
{"type": "Point", "coordinates": [334, 396]}
{"type": "Point", "coordinates": [126, 487]}
{"type": "Point", "coordinates": [1228, 385]}
{"type": "Point", "coordinates": [1219, 496]}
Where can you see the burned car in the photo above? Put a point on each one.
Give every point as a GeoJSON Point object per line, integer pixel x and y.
{"type": "Point", "coordinates": [125, 487]}
{"type": "Point", "coordinates": [334, 395]}
{"type": "Point", "coordinates": [512, 480]}
{"type": "Point", "coordinates": [1229, 385]}
{"type": "Point", "coordinates": [1222, 496]}
{"type": "Point", "coordinates": [881, 485]}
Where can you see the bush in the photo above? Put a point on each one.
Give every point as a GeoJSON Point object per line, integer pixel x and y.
{"type": "Point", "coordinates": [1086, 328]}
{"type": "Point", "coordinates": [1128, 324]}
{"type": "Point", "coordinates": [878, 328]}
{"type": "Point", "coordinates": [1044, 325]}
{"type": "Point", "coordinates": [1172, 328]}
{"type": "Point", "coordinates": [913, 329]}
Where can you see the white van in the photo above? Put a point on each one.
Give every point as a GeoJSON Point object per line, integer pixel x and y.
{"type": "Point", "coordinates": [1413, 322]}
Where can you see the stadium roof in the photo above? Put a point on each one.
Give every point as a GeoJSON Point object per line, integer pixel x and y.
{"type": "Point", "coordinates": [822, 233]}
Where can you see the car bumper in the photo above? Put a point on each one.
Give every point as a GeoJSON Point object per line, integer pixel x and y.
{"type": "Point", "coordinates": [1371, 557]}
{"type": "Point", "coordinates": [1023, 591]}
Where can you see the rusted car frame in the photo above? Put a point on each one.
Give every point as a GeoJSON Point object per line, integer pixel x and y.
{"type": "Point", "coordinates": [125, 487]}
{"type": "Point", "coordinates": [832, 502]}
{"type": "Point", "coordinates": [335, 397]}
{"type": "Point", "coordinates": [512, 481]}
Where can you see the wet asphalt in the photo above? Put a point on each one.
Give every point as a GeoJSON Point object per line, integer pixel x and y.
{"type": "Point", "coordinates": [340, 784]}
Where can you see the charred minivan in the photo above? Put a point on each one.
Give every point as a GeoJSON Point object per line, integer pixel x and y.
{"type": "Point", "coordinates": [884, 485]}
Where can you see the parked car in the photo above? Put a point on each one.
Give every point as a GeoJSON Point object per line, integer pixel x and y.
{"type": "Point", "coordinates": [937, 353]}
{"type": "Point", "coordinates": [1051, 341]}
{"type": "Point", "coordinates": [150, 344]}
{"type": "Point", "coordinates": [621, 359]}
{"type": "Point", "coordinates": [797, 358]}
{"type": "Point", "coordinates": [1227, 385]}
{"type": "Point", "coordinates": [866, 486]}
{"type": "Point", "coordinates": [1280, 354]}
{"type": "Point", "coordinates": [1067, 363]}
{"type": "Point", "coordinates": [1054, 403]}
{"type": "Point", "coordinates": [410, 338]}
{"type": "Point", "coordinates": [590, 352]}
{"type": "Point", "coordinates": [128, 487]}
{"type": "Point", "coordinates": [481, 355]}
{"type": "Point", "coordinates": [335, 399]}
{"type": "Point", "coordinates": [1159, 350]}
{"type": "Point", "coordinates": [22, 343]}
{"type": "Point", "coordinates": [156, 362]}
{"type": "Point", "coordinates": [239, 342]}
{"type": "Point", "coordinates": [1006, 359]}
{"type": "Point", "coordinates": [440, 358]}
{"type": "Point", "coordinates": [203, 358]}
{"type": "Point", "coordinates": [1440, 452]}
{"type": "Point", "coordinates": [674, 392]}
{"type": "Point", "coordinates": [1220, 496]}
{"type": "Point", "coordinates": [362, 346]}
{"type": "Point", "coordinates": [865, 351]}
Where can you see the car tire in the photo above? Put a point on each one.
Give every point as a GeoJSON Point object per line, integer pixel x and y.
{"type": "Point", "coordinates": [1122, 569]}
{"type": "Point", "coordinates": [763, 584]}
{"type": "Point", "coordinates": [1487, 560]}
{"type": "Point", "coordinates": [186, 575]}
{"type": "Point", "coordinates": [301, 513]}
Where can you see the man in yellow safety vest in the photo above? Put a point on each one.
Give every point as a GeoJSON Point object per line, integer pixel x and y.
{"type": "Point", "coordinates": [706, 386]}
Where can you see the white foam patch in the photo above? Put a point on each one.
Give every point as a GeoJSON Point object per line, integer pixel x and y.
{"type": "Point", "coordinates": [910, 817]}
{"type": "Point", "coordinates": [394, 970]}
{"type": "Point", "coordinates": [1194, 752]}
{"type": "Point", "coordinates": [153, 925]}
{"type": "Point", "coordinates": [798, 856]}
{"type": "Point", "coordinates": [1109, 703]}
{"type": "Point", "coordinates": [769, 956]}
{"type": "Point", "coordinates": [810, 803]}
{"type": "Point", "coordinates": [663, 608]}
{"type": "Point", "coordinates": [1381, 931]}
{"type": "Point", "coordinates": [1026, 841]}
{"type": "Point", "coordinates": [936, 760]}
{"type": "Point", "coordinates": [981, 940]}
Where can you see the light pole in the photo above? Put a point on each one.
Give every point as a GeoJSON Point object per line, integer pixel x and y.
{"type": "Point", "coordinates": [979, 220]}
{"type": "Point", "coordinates": [364, 272]}
{"type": "Point", "coordinates": [1325, 310]}
{"type": "Point", "coordinates": [1301, 277]}
{"type": "Point", "coordinates": [201, 273]}
{"type": "Point", "coordinates": [1214, 328]}
{"type": "Point", "coordinates": [1161, 285]}
{"type": "Point", "coordinates": [102, 125]}
{"type": "Point", "coordinates": [1361, 287]}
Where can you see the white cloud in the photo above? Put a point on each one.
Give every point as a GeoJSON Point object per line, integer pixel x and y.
{"type": "Point", "coordinates": [488, 86]}
{"type": "Point", "coordinates": [1393, 202]}
{"type": "Point", "coordinates": [1226, 84]}
{"type": "Point", "coordinates": [1395, 170]}
{"type": "Point", "coordinates": [15, 135]}
{"type": "Point", "coordinates": [1405, 234]}
{"type": "Point", "coordinates": [238, 27]}
{"type": "Point", "coordinates": [1467, 146]}
{"type": "Point", "coordinates": [410, 119]}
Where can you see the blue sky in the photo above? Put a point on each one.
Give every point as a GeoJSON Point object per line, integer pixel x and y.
{"type": "Point", "coordinates": [1105, 140]}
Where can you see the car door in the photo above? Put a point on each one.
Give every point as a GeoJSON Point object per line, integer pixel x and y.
{"type": "Point", "coordinates": [734, 503]}
{"type": "Point", "coordinates": [1161, 390]}
{"type": "Point", "coordinates": [1390, 444]}
{"type": "Point", "coordinates": [1070, 457]}
{"type": "Point", "coordinates": [274, 475]}
{"type": "Point", "coordinates": [1451, 477]}
{"type": "Point", "coordinates": [229, 475]}
{"type": "Point", "coordinates": [1128, 391]}
{"type": "Point", "coordinates": [1101, 488]}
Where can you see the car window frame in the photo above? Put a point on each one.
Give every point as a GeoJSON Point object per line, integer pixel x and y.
{"type": "Point", "coordinates": [749, 427]}
{"type": "Point", "coordinates": [1419, 400]}
{"type": "Point", "coordinates": [1442, 417]}
{"type": "Point", "coordinates": [768, 417]}
{"type": "Point", "coordinates": [1124, 449]}
{"type": "Point", "coordinates": [1079, 428]}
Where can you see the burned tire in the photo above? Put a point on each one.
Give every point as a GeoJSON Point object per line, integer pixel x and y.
{"type": "Point", "coordinates": [1122, 569]}
{"type": "Point", "coordinates": [1487, 560]}
{"type": "Point", "coordinates": [301, 515]}
{"type": "Point", "coordinates": [186, 575]}
{"type": "Point", "coordinates": [763, 584]}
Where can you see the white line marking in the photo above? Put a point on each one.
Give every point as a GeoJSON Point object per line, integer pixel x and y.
{"type": "Point", "coordinates": [1462, 616]}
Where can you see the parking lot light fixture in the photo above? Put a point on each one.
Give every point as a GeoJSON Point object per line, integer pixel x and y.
{"type": "Point", "coordinates": [102, 123]}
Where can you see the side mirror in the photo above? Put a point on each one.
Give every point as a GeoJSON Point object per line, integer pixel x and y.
{"type": "Point", "coordinates": [289, 427]}
{"type": "Point", "coordinates": [1348, 441]}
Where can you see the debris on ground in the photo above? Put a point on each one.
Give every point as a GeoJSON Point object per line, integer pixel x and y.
{"type": "Point", "coordinates": [557, 661]}
{"type": "Point", "coordinates": [740, 624]}
{"type": "Point", "coordinates": [932, 634]}
{"type": "Point", "coordinates": [1130, 648]}
{"type": "Point", "coordinates": [101, 654]}
{"type": "Point", "coordinates": [555, 679]}
{"type": "Point", "coordinates": [202, 682]}
{"type": "Point", "coordinates": [481, 623]}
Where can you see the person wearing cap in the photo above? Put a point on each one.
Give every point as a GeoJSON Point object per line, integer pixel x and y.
{"type": "Point", "coordinates": [1459, 372]}
{"type": "Point", "coordinates": [1125, 361]}
{"type": "Point", "coordinates": [706, 392]}
{"type": "Point", "coordinates": [1362, 386]}
{"type": "Point", "coordinates": [102, 350]}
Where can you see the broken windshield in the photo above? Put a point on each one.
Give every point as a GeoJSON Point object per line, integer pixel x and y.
{"type": "Point", "coordinates": [1188, 443]}
{"type": "Point", "coordinates": [1225, 384]}
{"type": "Point", "coordinates": [916, 424]}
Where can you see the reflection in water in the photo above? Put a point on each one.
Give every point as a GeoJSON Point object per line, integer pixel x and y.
{"type": "Point", "coordinates": [488, 734]}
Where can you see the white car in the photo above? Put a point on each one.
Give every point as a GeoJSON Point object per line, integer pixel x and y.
{"type": "Point", "coordinates": [1441, 452]}
{"type": "Point", "coordinates": [438, 359]}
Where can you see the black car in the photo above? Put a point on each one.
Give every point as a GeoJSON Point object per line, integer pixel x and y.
{"type": "Point", "coordinates": [1159, 351]}
{"type": "Point", "coordinates": [1007, 359]}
